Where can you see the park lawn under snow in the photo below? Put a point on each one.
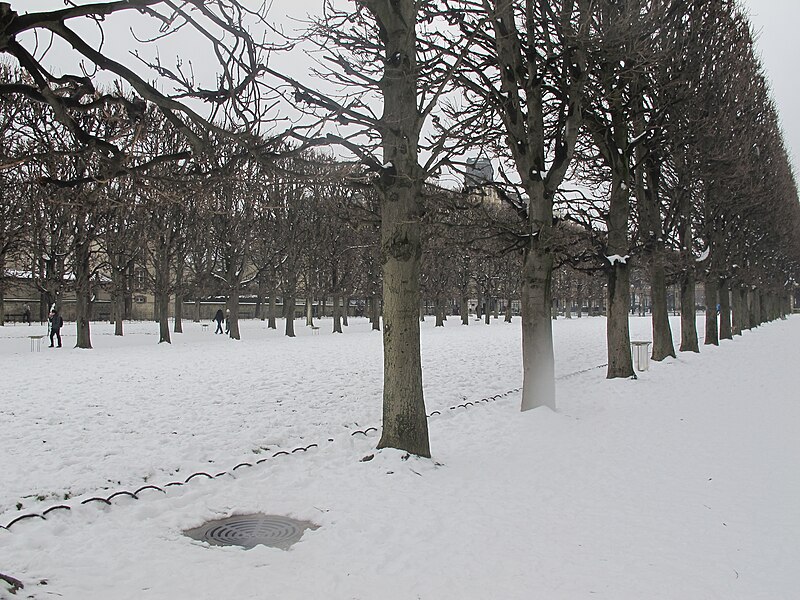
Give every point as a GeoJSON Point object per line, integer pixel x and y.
{"type": "Point", "coordinates": [682, 484]}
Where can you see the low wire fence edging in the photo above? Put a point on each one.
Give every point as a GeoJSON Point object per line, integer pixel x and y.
{"type": "Point", "coordinates": [135, 494]}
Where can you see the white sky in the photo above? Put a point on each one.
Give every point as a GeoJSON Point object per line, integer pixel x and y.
{"type": "Point", "coordinates": [775, 22]}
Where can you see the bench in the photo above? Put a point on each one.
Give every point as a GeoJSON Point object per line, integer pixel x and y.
{"type": "Point", "coordinates": [314, 330]}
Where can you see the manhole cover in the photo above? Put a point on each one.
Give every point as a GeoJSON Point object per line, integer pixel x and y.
{"type": "Point", "coordinates": [250, 530]}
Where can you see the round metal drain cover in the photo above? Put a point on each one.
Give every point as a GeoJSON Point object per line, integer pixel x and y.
{"type": "Point", "coordinates": [250, 530]}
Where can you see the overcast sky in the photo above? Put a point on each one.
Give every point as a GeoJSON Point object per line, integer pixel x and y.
{"type": "Point", "coordinates": [774, 21]}
{"type": "Point", "coordinates": [776, 24]}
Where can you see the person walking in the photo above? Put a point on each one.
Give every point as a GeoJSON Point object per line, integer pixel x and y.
{"type": "Point", "coordinates": [227, 320]}
{"type": "Point", "coordinates": [218, 318]}
{"type": "Point", "coordinates": [55, 326]}
{"type": "Point", "coordinates": [26, 314]}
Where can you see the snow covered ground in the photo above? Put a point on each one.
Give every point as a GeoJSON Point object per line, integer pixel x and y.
{"type": "Point", "coordinates": [683, 484]}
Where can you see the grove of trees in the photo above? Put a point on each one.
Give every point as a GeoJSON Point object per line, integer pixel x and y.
{"type": "Point", "coordinates": [634, 144]}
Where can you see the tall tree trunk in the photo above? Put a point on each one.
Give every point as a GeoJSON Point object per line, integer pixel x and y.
{"type": "Point", "coordinates": [233, 316]}
{"type": "Point", "coordinates": [618, 338]}
{"type": "Point", "coordinates": [662, 332]}
{"type": "Point", "coordinates": [737, 309]}
{"type": "Point", "coordinates": [464, 310]}
{"type": "Point", "coordinates": [345, 309]}
{"type": "Point", "coordinates": [712, 332]}
{"type": "Point", "coordinates": [180, 263]}
{"type": "Point", "coordinates": [162, 293]}
{"type": "Point", "coordinates": [538, 361]}
{"type": "Point", "coordinates": [688, 313]}
{"type": "Point", "coordinates": [375, 312]}
{"type": "Point", "coordinates": [288, 312]}
{"type": "Point", "coordinates": [271, 323]}
{"type": "Point", "coordinates": [118, 281]}
{"type": "Point", "coordinates": [725, 329]}
{"type": "Point", "coordinates": [197, 306]}
{"type": "Point", "coordinates": [309, 312]}
{"type": "Point", "coordinates": [83, 290]}
{"type": "Point", "coordinates": [129, 293]}
{"type": "Point", "coordinates": [405, 425]}
{"type": "Point", "coordinates": [337, 314]}
{"type": "Point", "coordinates": [508, 311]}
{"type": "Point", "coordinates": [261, 294]}
{"type": "Point", "coordinates": [163, 315]}
{"type": "Point", "coordinates": [439, 313]}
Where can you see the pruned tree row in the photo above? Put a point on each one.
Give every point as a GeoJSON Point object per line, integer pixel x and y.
{"type": "Point", "coordinates": [455, 157]}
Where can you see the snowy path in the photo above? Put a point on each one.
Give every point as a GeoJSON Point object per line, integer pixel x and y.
{"type": "Point", "coordinates": [682, 484]}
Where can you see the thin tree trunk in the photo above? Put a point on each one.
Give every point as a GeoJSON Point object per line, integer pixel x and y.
{"type": "Point", "coordinates": [375, 317]}
{"type": "Point", "coordinates": [345, 310]}
{"type": "Point", "coordinates": [737, 309]}
{"type": "Point", "coordinates": [464, 310]}
{"type": "Point", "coordinates": [309, 313]}
{"type": "Point", "coordinates": [118, 281]}
{"type": "Point", "coordinates": [163, 316]}
{"type": "Point", "coordinates": [712, 331]}
{"type": "Point", "coordinates": [83, 291]}
{"type": "Point", "coordinates": [288, 314]}
{"type": "Point", "coordinates": [725, 329]}
{"type": "Point", "coordinates": [197, 306]}
{"type": "Point", "coordinates": [508, 311]}
{"type": "Point", "coordinates": [177, 327]}
{"type": "Point", "coordinates": [271, 323]}
{"type": "Point", "coordinates": [233, 316]}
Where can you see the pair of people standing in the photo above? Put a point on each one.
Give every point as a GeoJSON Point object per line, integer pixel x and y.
{"type": "Point", "coordinates": [219, 317]}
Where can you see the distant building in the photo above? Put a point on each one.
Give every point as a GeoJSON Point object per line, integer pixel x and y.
{"type": "Point", "coordinates": [479, 172]}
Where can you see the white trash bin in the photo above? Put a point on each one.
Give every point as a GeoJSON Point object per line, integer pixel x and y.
{"type": "Point", "coordinates": [641, 355]}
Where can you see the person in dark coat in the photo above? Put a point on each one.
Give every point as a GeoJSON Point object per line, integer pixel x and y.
{"type": "Point", "coordinates": [55, 326]}
{"type": "Point", "coordinates": [26, 314]}
{"type": "Point", "coordinates": [218, 318]}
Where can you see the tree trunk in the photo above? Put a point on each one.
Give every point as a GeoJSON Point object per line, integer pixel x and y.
{"type": "Point", "coordinates": [271, 324]}
{"type": "Point", "coordinates": [83, 291]}
{"type": "Point", "coordinates": [337, 318]}
{"type": "Point", "coordinates": [712, 332]}
{"type": "Point", "coordinates": [345, 309]}
{"type": "Point", "coordinates": [233, 316]}
{"type": "Point", "coordinates": [508, 311]}
{"type": "Point", "coordinates": [725, 329]}
{"type": "Point", "coordinates": [736, 309]}
{"type": "Point", "coordinates": [464, 310]}
{"type": "Point", "coordinates": [618, 338]}
{"type": "Point", "coordinates": [118, 281]}
{"type": "Point", "coordinates": [662, 332]}
{"type": "Point", "coordinates": [197, 306]}
{"type": "Point", "coordinates": [688, 314]}
{"type": "Point", "coordinates": [162, 293]}
{"type": "Point", "coordinates": [309, 313]}
{"type": "Point", "coordinates": [288, 313]}
{"type": "Point", "coordinates": [439, 314]}
{"type": "Point", "coordinates": [262, 292]}
{"type": "Point", "coordinates": [163, 316]}
{"type": "Point", "coordinates": [177, 327]}
{"type": "Point", "coordinates": [375, 313]}
{"type": "Point", "coordinates": [538, 361]}
{"type": "Point", "coordinates": [405, 425]}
